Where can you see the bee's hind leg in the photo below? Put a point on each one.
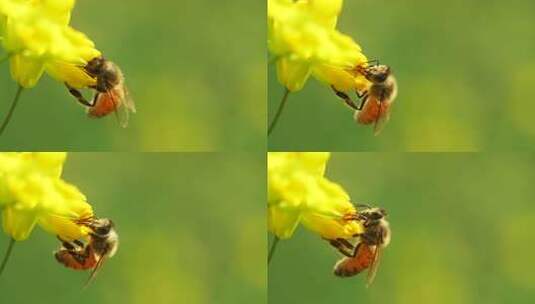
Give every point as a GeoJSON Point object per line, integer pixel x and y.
{"type": "Point", "coordinates": [79, 97]}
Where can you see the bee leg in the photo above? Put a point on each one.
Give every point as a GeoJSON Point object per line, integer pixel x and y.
{"type": "Point", "coordinates": [340, 247]}
{"type": "Point", "coordinates": [373, 62]}
{"type": "Point", "coordinates": [363, 101]}
{"type": "Point", "coordinates": [345, 98]}
{"type": "Point", "coordinates": [346, 243]}
{"type": "Point", "coordinates": [79, 97]}
{"type": "Point", "coordinates": [356, 250]}
{"type": "Point", "coordinates": [360, 95]}
{"type": "Point", "coordinates": [80, 257]}
{"type": "Point", "coordinates": [68, 246]}
{"type": "Point", "coordinates": [71, 246]}
{"type": "Point", "coordinates": [355, 217]}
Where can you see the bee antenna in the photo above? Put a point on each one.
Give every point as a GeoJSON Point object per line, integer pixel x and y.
{"type": "Point", "coordinates": [373, 62]}
{"type": "Point", "coordinates": [363, 206]}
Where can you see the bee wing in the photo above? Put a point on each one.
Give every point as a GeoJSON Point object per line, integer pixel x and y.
{"type": "Point", "coordinates": [372, 271]}
{"type": "Point", "coordinates": [382, 118]}
{"type": "Point", "coordinates": [128, 101]}
{"type": "Point", "coordinates": [121, 112]}
{"type": "Point", "coordinates": [97, 267]}
{"type": "Point", "coordinates": [127, 105]}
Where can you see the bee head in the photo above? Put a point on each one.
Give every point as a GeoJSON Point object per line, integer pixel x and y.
{"type": "Point", "coordinates": [101, 227]}
{"type": "Point", "coordinates": [377, 73]}
{"type": "Point", "coordinates": [374, 213]}
{"type": "Point", "coordinates": [95, 66]}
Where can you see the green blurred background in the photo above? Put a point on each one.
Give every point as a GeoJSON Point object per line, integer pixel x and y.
{"type": "Point", "coordinates": [465, 69]}
{"type": "Point", "coordinates": [191, 226]}
{"type": "Point", "coordinates": [196, 70]}
{"type": "Point", "coordinates": [462, 232]}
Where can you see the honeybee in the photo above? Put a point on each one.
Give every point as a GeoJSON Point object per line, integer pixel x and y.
{"type": "Point", "coordinates": [111, 93]}
{"type": "Point", "coordinates": [375, 102]}
{"type": "Point", "coordinates": [367, 252]}
{"type": "Point", "coordinates": [103, 244]}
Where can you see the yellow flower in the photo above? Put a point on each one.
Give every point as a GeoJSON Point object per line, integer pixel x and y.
{"type": "Point", "coordinates": [299, 193]}
{"type": "Point", "coordinates": [303, 38]}
{"type": "Point", "coordinates": [38, 38]}
{"type": "Point", "coordinates": [32, 192]}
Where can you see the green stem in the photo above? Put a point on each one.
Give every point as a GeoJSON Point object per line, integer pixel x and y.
{"type": "Point", "coordinates": [7, 255]}
{"type": "Point", "coordinates": [273, 59]}
{"type": "Point", "coordinates": [11, 110]}
{"type": "Point", "coordinates": [273, 247]}
{"type": "Point", "coordinates": [279, 111]}
{"type": "Point", "coordinates": [4, 59]}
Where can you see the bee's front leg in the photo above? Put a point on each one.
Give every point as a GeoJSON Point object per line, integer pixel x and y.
{"type": "Point", "coordinates": [348, 101]}
{"type": "Point", "coordinates": [73, 246]}
{"type": "Point", "coordinates": [363, 99]}
{"type": "Point", "coordinates": [342, 246]}
{"type": "Point", "coordinates": [360, 95]}
{"type": "Point", "coordinates": [79, 97]}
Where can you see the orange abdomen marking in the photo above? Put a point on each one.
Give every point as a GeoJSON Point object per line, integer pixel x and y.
{"type": "Point", "coordinates": [347, 266]}
{"type": "Point", "coordinates": [76, 260]}
{"type": "Point", "coordinates": [105, 104]}
{"type": "Point", "coordinates": [372, 112]}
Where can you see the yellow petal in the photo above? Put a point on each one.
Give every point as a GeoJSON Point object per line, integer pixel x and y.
{"type": "Point", "coordinates": [341, 79]}
{"type": "Point", "coordinates": [323, 11]}
{"type": "Point", "coordinates": [303, 38]}
{"type": "Point", "coordinates": [282, 221]}
{"type": "Point", "coordinates": [26, 71]}
{"type": "Point", "coordinates": [298, 192]}
{"type": "Point", "coordinates": [292, 73]}
{"type": "Point", "coordinates": [290, 163]}
{"type": "Point", "coordinates": [18, 223]}
{"type": "Point", "coordinates": [71, 74]}
{"type": "Point", "coordinates": [47, 163]}
{"type": "Point", "coordinates": [37, 32]}
{"type": "Point", "coordinates": [31, 191]}
{"type": "Point", "coordinates": [57, 10]}
{"type": "Point", "coordinates": [328, 207]}
{"type": "Point", "coordinates": [61, 206]}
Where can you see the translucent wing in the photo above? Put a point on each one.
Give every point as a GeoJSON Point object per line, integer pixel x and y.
{"type": "Point", "coordinates": [121, 115]}
{"type": "Point", "coordinates": [382, 117]}
{"type": "Point", "coordinates": [93, 274]}
{"type": "Point", "coordinates": [125, 107]}
{"type": "Point", "coordinates": [128, 101]}
{"type": "Point", "coordinates": [384, 108]}
{"type": "Point", "coordinates": [372, 271]}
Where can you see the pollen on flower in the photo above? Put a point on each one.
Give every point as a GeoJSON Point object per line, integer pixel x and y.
{"type": "Point", "coordinates": [38, 38]}
{"type": "Point", "coordinates": [33, 193]}
{"type": "Point", "coordinates": [298, 192]}
{"type": "Point", "coordinates": [302, 36]}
